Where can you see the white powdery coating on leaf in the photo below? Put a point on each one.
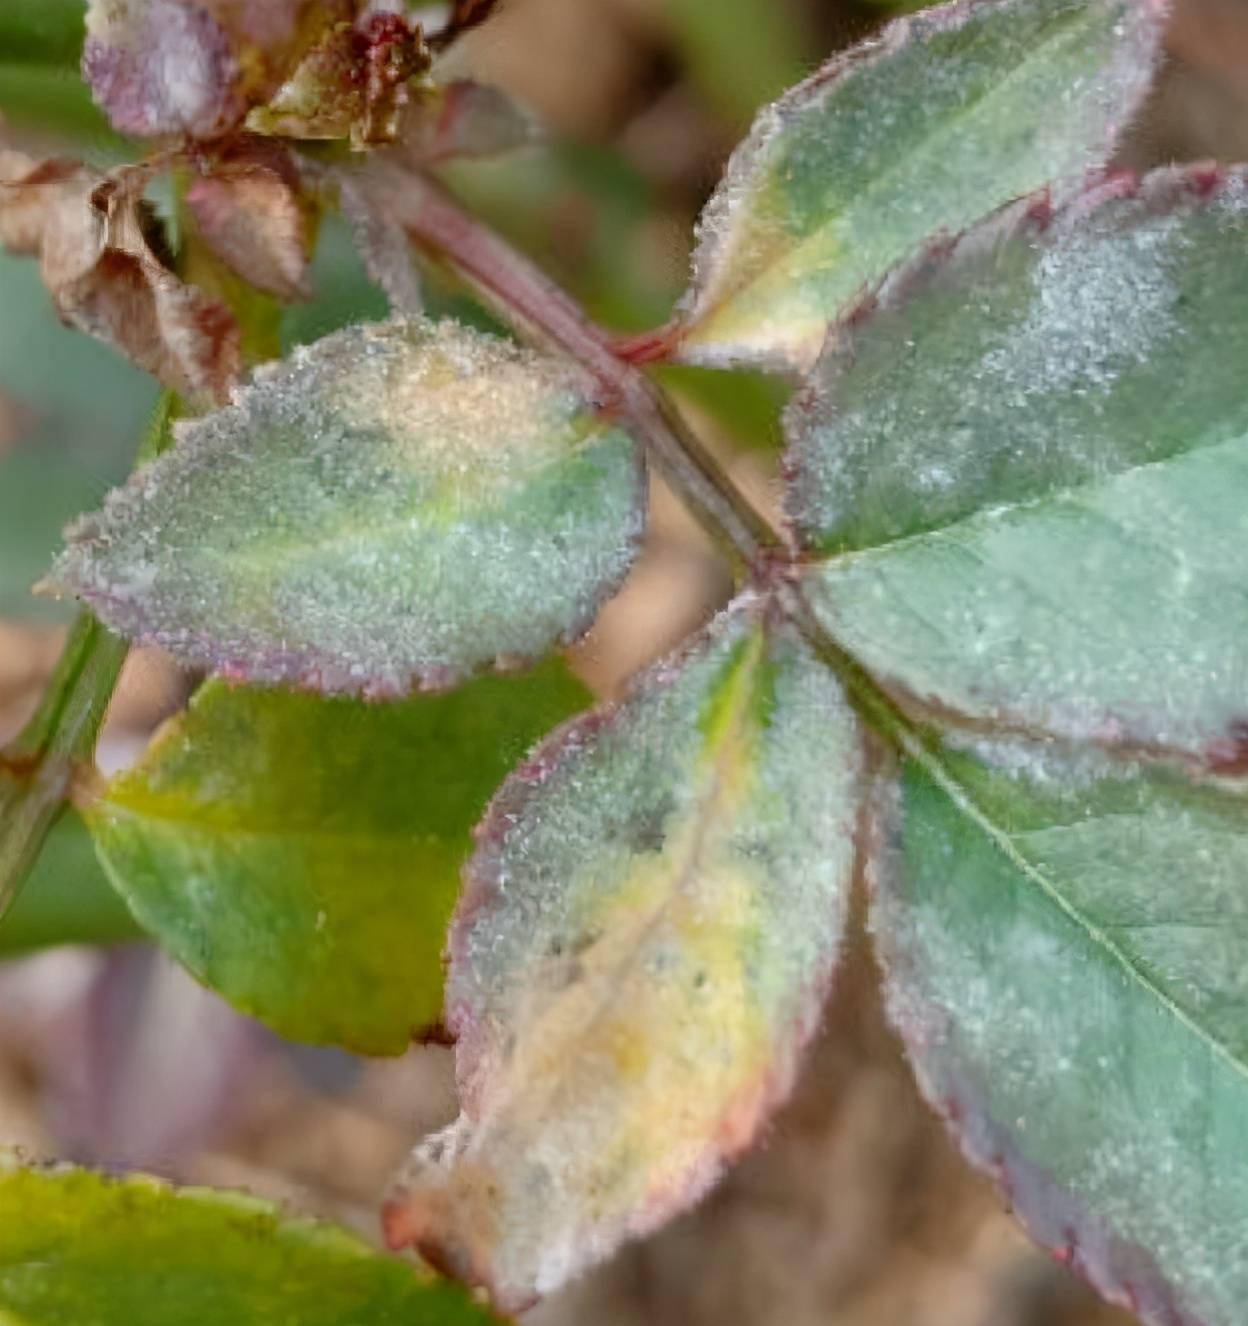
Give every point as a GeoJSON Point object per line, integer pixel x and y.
{"type": "Point", "coordinates": [1103, 301]}
{"type": "Point", "coordinates": [926, 127]}
{"type": "Point", "coordinates": [645, 937]}
{"type": "Point", "coordinates": [399, 503]}
{"type": "Point", "coordinates": [159, 66]}
{"type": "Point", "coordinates": [1067, 1029]}
{"type": "Point", "coordinates": [1048, 523]}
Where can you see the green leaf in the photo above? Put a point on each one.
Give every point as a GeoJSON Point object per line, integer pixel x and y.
{"type": "Point", "coordinates": [1065, 942]}
{"type": "Point", "coordinates": [1036, 455]}
{"type": "Point", "coordinates": [67, 899]}
{"type": "Point", "coordinates": [76, 1247]}
{"type": "Point", "coordinates": [301, 855]}
{"type": "Point", "coordinates": [401, 503]}
{"type": "Point", "coordinates": [943, 117]}
{"type": "Point", "coordinates": [646, 934]}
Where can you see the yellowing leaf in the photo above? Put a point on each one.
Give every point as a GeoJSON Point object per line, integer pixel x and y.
{"type": "Point", "coordinates": [398, 504]}
{"type": "Point", "coordinates": [944, 116]}
{"type": "Point", "coordinates": [301, 855]}
{"type": "Point", "coordinates": [647, 932]}
{"type": "Point", "coordinates": [79, 1248]}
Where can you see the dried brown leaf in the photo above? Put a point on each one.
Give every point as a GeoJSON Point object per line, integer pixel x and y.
{"type": "Point", "coordinates": [94, 238]}
{"type": "Point", "coordinates": [356, 83]}
{"type": "Point", "coordinates": [249, 212]}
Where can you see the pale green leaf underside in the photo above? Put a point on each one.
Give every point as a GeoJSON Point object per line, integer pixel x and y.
{"type": "Point", "coordinates": [1064, 945]}
{"type": "Point", "coordinates": [301, 855]}
{"type": "Point", "coordinates": [399, 504]}
{"type": "Point", "coordinates": [945, 116]}
{"type": "Point", "coordinates": [1033, 460]}
{"type": "Point", "coordinates": [646, 933]}
{"type": "Point", "coordinates": [78, 1249]}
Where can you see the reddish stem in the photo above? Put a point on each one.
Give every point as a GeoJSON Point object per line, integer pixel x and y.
{"type": "Point", "coordinates": [530, 300]}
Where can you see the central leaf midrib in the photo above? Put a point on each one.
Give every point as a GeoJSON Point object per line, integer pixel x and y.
{"type": "Point", "coordinates": [1093, 933]}
{"type": "Point", "coordinates": [1077, 494]}
{"type": "Point", "coordinates": [287, 549]}
{"type": "Point", "coordinates": [160, 813]}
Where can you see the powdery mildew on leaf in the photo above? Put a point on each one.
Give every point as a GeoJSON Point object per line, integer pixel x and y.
{"type": "Point", "coordinates": [647, 931]}
{"type": "Point", "coordinates": [82, 1247]}
{"type": "Point", "coordinates": [944, 116]}
{"type": "Point", "coordinates": [400, 503]}
{"type": "Point", "coordinates": [1033, 459]}
{"type": "Point", "coordinates": [1063, 940]}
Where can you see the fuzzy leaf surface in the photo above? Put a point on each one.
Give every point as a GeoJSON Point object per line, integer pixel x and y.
{"type": "Point", "coordinates": [78, 1247]}
{"type": "Point", "coordinates": [647, 931]}
{"type": "Point", "coordinates": [943, 117]}
{"type": "Point", "coordinates": [1064, 941]}
{"type": "Point", "coordinates": [1033, 460]}
{"type": "Point", "coordinates": [301, 855]}
{"type": "Point", "coordinates": [399, 504]}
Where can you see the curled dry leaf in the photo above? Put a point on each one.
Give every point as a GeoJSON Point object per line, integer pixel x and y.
{"type": "Point", "coordinates": [398, 504]}
{"type": "Point", "coordinates": [646, 935]}
{"type": "Point", "coordinates": [355, 82]}
{"type": "Point", "coordinates": [97, 244]}
{"type": "Point", "coordinates": [194, 66]}
{"type": "Point", "coordinates": [249, 211]}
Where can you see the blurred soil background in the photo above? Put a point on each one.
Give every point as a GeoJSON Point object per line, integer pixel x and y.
{"type": "Point", "coordinates": [855, 1210]}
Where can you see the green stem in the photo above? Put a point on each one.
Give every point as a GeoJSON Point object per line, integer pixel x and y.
{"type": "Point", "coordinates": [38, 766]}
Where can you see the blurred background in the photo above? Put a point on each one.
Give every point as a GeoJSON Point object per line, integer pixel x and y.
{"type": "Point", "coordinates": [855, 1210]}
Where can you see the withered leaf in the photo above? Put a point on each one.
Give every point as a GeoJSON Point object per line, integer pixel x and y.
{"type": "Point", "coordinates": [97, 245]}
{"type": "Point", "coordinates": [355, 82]}
{"type": "Point", "coordinates": [172, 67]}
{"type": "Point", "coordinates": [249, 212]}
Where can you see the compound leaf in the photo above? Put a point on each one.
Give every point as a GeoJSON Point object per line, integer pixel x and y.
{"type": "Point", "coordinates": [646, 934]}
{"type": "Point", "coordinates": [1064, 941]}
{"type": "Point", "coordinates": [401, 503]}
{"type": "Point", "coordinates": [943, 117]}
{"type": "Point", "coordinates": [301, 855]}
{"type": "Point", "coordinates": [1033, 458]}
{"type": "Point", "coordinates": [78, 1247]}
